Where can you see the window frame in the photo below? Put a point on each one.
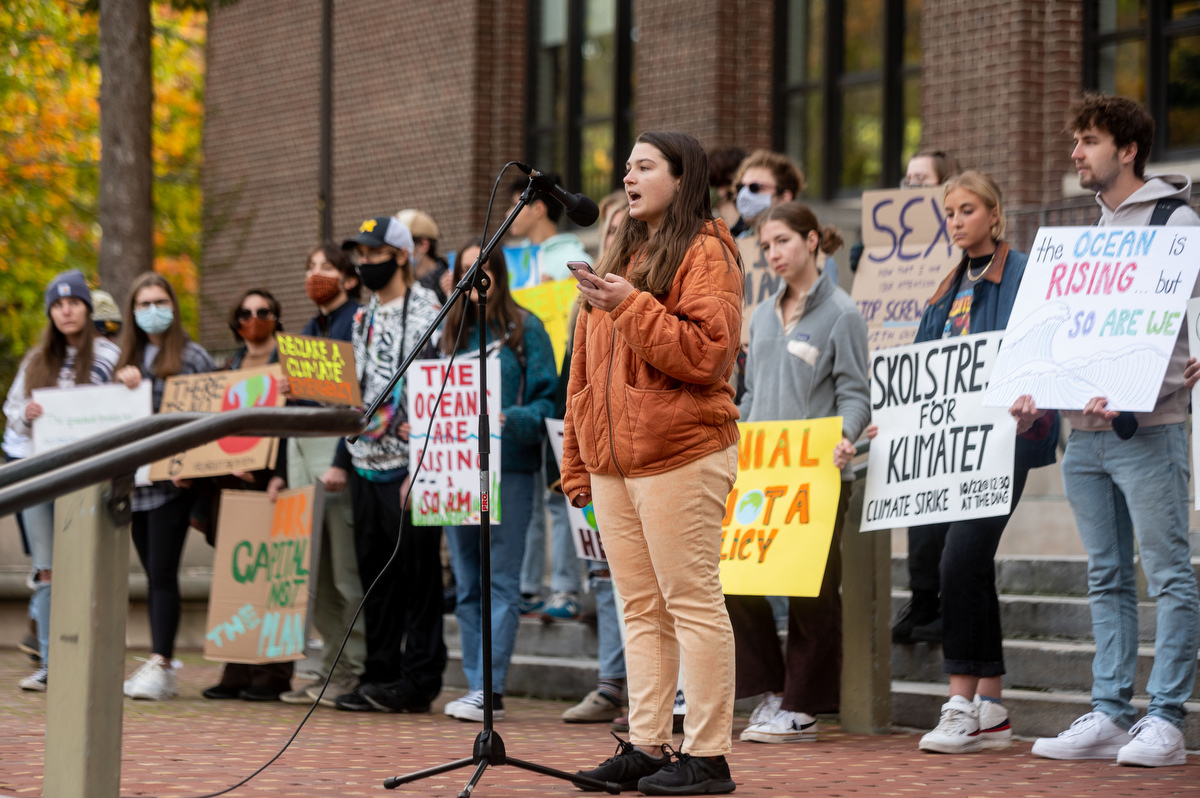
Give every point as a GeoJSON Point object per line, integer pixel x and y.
{"type": "Point", "coordinates": [890, 78]}
{"type": "Point", "coordinates": [622, 113]}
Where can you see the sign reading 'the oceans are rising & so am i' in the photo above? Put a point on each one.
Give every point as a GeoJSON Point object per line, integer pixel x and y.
{"type": "Point", "coordinates": [780, 515]}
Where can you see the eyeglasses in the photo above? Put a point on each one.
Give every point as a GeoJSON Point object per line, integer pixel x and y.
{"type": "Point", "coordinates": [265, 314]}
{"type": "Point", "coordinates": [755, 188]}
{"type": "Point", "coordinates": [163, 304]}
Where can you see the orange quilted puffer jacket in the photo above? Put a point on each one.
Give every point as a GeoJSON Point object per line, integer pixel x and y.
{"type": "Point", "coordinates": [649, 388]}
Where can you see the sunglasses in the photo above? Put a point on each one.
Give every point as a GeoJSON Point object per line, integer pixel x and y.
{"type": "Point", "coordinates": [245, 314]}
{"type": "Point", "coordinates": [755, 188]}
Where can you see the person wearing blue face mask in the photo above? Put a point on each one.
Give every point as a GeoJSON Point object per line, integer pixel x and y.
{"type": "Point", "coordinates": [155, 347]}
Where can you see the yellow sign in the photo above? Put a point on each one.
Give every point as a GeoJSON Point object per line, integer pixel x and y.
{"type": "Point", "coordinates": [780, 514]}
{"type": "Point", "coordinates": [551, 302]}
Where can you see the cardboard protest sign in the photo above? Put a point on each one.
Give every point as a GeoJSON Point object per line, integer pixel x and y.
{"type": "Point", "coordinates": [906, 255]}
{"type": "Point", "coordinates": [551, 302]}
{"type": "Point", "coordinates": [780, 515]}
{"type": "Point", "coordinates": [320, 369]}
{"type": "Point", "coordinates": [1193, 323]}
{"type": "Point", "coordinates": [217, 392]}
{"type": "Point", "coordinates": [259, 607]}
{"type": "Point", "coordinates": [584, 531]}
{"type": "Point", "coordinates": [72, 414]}
{"type": "Point", "coordinates": [940, 455]}
{"type": "Point", "coordinates": [523, 266]}
{"type": "Point", "coordinates": [761, 282]}
{"type": "Point", "coordinates": [446, 492]}
{"type": "Point", "coordinates": [1097, 314]}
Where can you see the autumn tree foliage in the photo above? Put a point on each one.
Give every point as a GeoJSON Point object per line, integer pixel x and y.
{"type": "Point", "coordinates": [50, 155]}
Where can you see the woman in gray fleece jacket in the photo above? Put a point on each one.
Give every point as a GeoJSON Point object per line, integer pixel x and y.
{"type": "Point", "coordinates": [808, 359]}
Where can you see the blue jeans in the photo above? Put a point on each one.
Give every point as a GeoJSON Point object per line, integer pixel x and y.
{"type": "Point", "coordinates": [1120, 490]}
{"type": "Point", "coordinates": [533, 563]}
{"type": "Point", "coordinates": [39, 527]}
{"type": "Point", "coordinates": [566, 570]}
{"type": "Point", "coordinates": [610, 646]}
{"type": "Point", "coordinates": [507, 550]}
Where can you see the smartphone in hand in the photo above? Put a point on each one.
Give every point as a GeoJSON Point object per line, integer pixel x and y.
{"type": "Point", "coordinates": [583, 272]}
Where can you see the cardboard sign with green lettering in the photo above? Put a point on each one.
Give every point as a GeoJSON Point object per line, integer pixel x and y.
{"type": "Point", "coordinates": [320, 369]}
{"type": "Point", "coordinates": [259, 608]}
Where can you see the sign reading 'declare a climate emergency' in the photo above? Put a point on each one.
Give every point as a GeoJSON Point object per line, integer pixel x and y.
{"type": "Point", "coordinates": [940, 454]}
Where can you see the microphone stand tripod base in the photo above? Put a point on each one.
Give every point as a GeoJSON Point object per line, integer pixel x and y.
{"type": "Point", "coordinates": [489, 750]}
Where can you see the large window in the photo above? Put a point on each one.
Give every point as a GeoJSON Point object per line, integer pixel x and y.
{"type": "Point", "coordinates": [1149, 51]}
{"type": "Point", "coordinates": [581, 82]}
{"type": "Point", "coordinates": [848, 90]}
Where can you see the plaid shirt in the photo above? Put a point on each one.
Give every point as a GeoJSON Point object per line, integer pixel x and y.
{"type": "Point", "coordinates": [195, 361]}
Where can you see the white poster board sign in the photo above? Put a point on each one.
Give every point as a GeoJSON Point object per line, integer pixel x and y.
{"type": "Point", "coordinates": [1097, 314]}
{"type": "Point", "coordinates": [72, 414]}
{"type": "Point", "coordinates": [1193, 324]}
{"type": "Point", "coordinates": [940, 455]}
{"type": "Point", "coordinates": [584, 531]}
{"type": "Point", "coordinates": [447, 490]}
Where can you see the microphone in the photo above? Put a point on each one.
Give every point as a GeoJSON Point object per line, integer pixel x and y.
{"type": "Point", "coordinates": [580, 208]}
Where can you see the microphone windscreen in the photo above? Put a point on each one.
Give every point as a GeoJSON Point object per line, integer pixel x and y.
{"type": "Point", "coordinates": [585, 213]}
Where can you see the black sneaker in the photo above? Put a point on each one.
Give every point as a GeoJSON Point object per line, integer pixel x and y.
{"type": "Point", "coordinates": [392, 697]}
{"type": "Point", "coordinates": [690, 775]}
{"type": "Point", "coordinates": [626, 767]}
{"type": "Point", "coordinates": [354, 701]}
{"type": "Point", "coordinates": [929, 632]}
{"type": "Point", "coordinates": [923, 608]}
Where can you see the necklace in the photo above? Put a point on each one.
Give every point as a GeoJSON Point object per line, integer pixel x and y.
{"type": "Point", "coordinates": [975, 277]}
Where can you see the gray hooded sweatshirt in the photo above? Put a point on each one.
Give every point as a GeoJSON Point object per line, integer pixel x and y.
{"type": "Point", "coordinates": [815, 370]}
{"type": "Point", "coordinates": [1172, 404]}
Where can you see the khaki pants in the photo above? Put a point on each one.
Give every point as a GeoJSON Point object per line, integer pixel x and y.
{"type": "Point", "coordinates": [663, 538]}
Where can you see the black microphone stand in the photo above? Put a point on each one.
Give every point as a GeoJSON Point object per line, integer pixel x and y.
{"type": "Point", "coordinates": [489, 747]}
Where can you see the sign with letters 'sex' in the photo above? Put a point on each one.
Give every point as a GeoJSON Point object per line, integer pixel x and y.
{"type": "Point", "coordinates": [1097, 314]}
{"type": "Point", "coordinates": [940, 455]}
{"type": "Point", "coordinates": [906, 254]}
{"type": "Point", "coordinates": [265, 557]}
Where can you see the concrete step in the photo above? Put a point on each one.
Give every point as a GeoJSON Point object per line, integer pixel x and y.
{"type": "Point", "coordinates": [1033, 664]}
{"type": "Point", "coordinates": [1033, 575]}
{"type": "Point", "coordinates": [1061, 617]}
{"type": "Point", "coordinates": [1033, 713]}
{"type": "Point", "coordinates": [570, 639]}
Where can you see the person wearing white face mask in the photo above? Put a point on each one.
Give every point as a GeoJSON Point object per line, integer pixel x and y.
{"type": "Point", "coordinates": [155, 347]}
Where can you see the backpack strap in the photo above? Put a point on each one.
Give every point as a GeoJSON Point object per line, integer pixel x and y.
{"type": "Point", "coordinates": [1163, 210]}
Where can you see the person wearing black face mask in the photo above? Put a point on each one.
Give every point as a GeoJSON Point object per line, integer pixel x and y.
{"type": "Point", "coordinates": [405, 651]}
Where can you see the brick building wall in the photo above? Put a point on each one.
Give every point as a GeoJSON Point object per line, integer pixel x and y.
{"type": "Point", "coordinates": [997, 77]}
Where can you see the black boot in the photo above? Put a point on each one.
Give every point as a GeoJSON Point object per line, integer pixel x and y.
{"type": "Point", "coordinates": [923, 609]}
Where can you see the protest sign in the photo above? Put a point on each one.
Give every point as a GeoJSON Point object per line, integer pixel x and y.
{"type": "Point", "coordinates": [320, 369]}
{"type": "Point", "coordinates": [780, 515]}
{"type": "Point", "coordinates": [906, 255]}
{"type": "Point", "coordinates": [523, 268]}
{"type": "Point", "coordinates": [73, 414]}
{"type": "Point", "coordinates": [446, 492]}
{"type": "Point", "coordinates": [584, 531]}
{"type": "Point", "coordinates": [761, 281]}
{"type": "Point", "coordinates": [1097, 314]}
{"type": "Point", "coordinates": [217, 392]}
{"type": "Point", "coordinates": [259, 607]}
{"type": "Point", "coordinates": [940, 455]}
{"type": "Point", "coordinates": [1193, 323]}
{"type": "Point", "coordinates": [551, 302]}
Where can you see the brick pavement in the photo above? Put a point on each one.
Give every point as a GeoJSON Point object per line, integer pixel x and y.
{"type": "Point", "coordinates": [189, 746]}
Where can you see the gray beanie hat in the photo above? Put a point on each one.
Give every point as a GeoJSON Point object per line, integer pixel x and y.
{"type": "Point", "coordinates": [68, 283]}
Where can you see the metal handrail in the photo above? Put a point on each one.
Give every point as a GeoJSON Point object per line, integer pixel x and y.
{"type": "Point", "coordinates": [92, 460]}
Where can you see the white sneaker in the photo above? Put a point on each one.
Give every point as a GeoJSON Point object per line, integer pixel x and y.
{"type": "Point", "coordinates": [785, 727]}
{"type": "Point", "coordinates": [994, 728]}
{"type": "Point", "coordinates": [470, 707]}
{"type": "Point", "coordinates": [767, 708]}
{"type": "Point", "coordinates": [34, 682]}
{"type": "Point", "coordinates": [1155, 743]}
{"type": "Point", "coordinates": [1093, 736]}
{"type": "Point", "coordinates": [154, 681]}
{"type": "Point", "coordinates": [958, 730]}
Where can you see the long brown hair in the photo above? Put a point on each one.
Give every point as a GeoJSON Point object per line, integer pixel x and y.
{"type": "Point", "coordinates": [800, 218]}
{"type": "Point", "coordinates": [169, 359]}
{"type": "Point", "coordinates": [505, 318]}
{"type": "Point", "coordinates": [682, 221]}
{"type": "Point", "coordinates": [45, 362]}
